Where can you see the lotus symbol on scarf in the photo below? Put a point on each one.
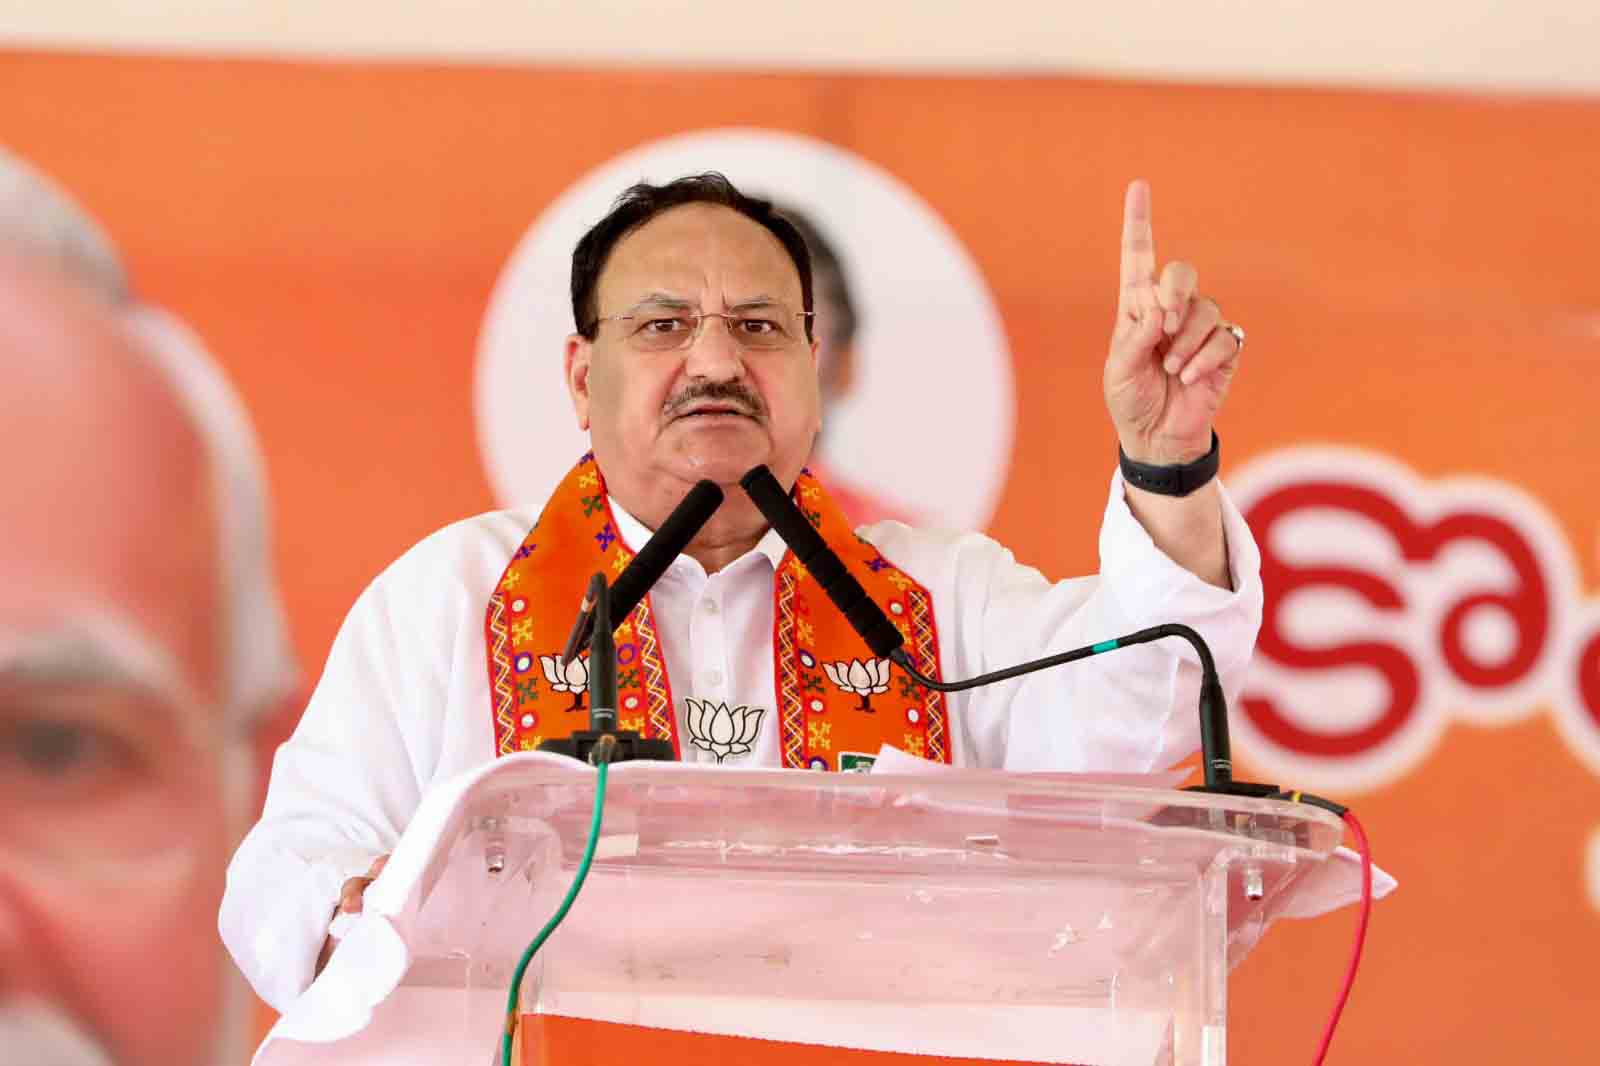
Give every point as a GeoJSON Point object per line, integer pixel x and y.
{"type": "Point", "coordinates": [574, 678]}
{"type": "Point", "coordinates": [861, 677]}
{"type": "Point", "coordinates": [722, 731]}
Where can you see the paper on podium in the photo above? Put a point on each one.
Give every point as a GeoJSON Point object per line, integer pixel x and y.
{"type": "Point", "coordinates": [713, 909]}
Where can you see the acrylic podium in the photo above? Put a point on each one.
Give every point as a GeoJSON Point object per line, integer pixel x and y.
{"type": "Point", "coordinates": [793, 917]}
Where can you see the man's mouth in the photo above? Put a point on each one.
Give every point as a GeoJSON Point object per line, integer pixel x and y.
{"type": "Point", "coordinates": [714, 410]}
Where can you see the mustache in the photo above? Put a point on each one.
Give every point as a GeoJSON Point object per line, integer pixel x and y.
{"type": "Point", "coordinates": [732, 393]}
{"type": "Point", "coordinates": [41, 1035]}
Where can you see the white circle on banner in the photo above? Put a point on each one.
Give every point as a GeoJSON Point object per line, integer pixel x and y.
{"type": "Point", "coordinates": [925, 430]}
{"type": "Point", "coordinates": [1489, 635]}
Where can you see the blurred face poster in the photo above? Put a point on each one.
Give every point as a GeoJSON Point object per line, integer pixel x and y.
{"type": "Point", "coordinates": [376, 256]}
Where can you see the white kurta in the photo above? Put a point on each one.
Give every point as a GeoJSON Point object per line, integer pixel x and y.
{"type": "Point", "coordinates": [404, 698]}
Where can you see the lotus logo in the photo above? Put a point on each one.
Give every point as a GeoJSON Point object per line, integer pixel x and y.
{"type": "Point", "coordinates": [862, 678]}
{"type": "Point", "coordinates": [722, 731]}
{"type": "Point", "coordinates": [574, 678]}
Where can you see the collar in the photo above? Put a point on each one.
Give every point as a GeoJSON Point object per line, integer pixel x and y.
{"type": "Point", "coordinates": [635, 533]}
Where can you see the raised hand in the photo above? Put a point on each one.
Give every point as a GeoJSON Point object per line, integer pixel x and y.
{"type": "Point", "coordinates": [1172, 356]}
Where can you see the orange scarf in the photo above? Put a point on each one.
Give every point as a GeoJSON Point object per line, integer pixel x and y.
{"type": "Point", "coordinates": [837, 705]}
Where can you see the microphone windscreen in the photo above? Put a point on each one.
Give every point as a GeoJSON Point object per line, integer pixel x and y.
{"type": "Point", "coordinates": [666, 545]}
{"type": "Point", "coordinates": [773, 501]}
{"type": "Point", "coordinates": [864, 616]}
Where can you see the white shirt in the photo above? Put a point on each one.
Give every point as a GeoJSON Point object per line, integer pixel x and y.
{"type": "Point", "coordinates": [404, 699]}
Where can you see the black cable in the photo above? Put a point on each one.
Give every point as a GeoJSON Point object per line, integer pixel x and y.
{"type": "Point", "coordinates": [1217, 759]}
{"type": "Point", "coordinates": [1208, 665]}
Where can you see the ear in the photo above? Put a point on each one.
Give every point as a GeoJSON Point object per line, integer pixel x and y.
{"type": "Point", "coordinates": [816, 367]}
{"type": "Point", "coordinates": [579, 352]}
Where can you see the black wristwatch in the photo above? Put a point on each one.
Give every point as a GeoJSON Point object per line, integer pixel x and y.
{"type": "Point", "coordinates": [1177, 480]}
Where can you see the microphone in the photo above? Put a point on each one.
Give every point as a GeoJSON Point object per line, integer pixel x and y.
{"type": "Point", "coordinates": [874, 627]}
{"type": "Point", "coordinates": [865, 616]}
{"type": "Point", "coordinates": [601, 742]}
{"type": "Point", "coordinates": [680, 527]}
{"type": "Point", "coordinates": [602, 661]}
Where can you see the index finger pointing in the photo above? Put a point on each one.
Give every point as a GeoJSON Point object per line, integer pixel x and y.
{"type": "Point", "coordinates": [1138, 239]}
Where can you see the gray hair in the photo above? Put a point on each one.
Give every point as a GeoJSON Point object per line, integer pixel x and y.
{"type": "Point", "coordinates": [40, 221]}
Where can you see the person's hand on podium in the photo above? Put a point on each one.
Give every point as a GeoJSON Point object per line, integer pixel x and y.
{"type": "Point", "coordinates": [350, 897]}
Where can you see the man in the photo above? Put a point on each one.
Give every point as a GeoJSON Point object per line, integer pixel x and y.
{"type": "Point", "coordinates": [141, 649]}
{"type": "Point", "coordinates": [693, 358]}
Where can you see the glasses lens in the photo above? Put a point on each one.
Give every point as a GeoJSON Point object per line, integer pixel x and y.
{"type": "Point", "coordinates": [763, 332]}
{"type": "Point", "coordinates": [660, 329]}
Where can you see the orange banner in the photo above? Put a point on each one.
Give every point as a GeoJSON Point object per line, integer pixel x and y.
{"type": "Point", "coordinates": [373, 252]}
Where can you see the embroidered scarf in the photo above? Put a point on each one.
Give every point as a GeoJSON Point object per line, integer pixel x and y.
{"type": "Point", "coordinates": [836, 703]}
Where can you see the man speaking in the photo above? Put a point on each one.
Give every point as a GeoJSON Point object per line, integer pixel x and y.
{"type": "Point", "coordinates": [694, 358]}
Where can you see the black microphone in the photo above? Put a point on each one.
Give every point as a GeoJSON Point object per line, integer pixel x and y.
{"type": "Point", "coordinates": [646, 569]}
{"type": "Point", "coordinates": [868, 620]}
{"type": "Point", "coordinates": [602, 661]}
{"type": "Point", "coordinates": [601, 742]}
{"type": "Point", "coordinates": [865, 616]}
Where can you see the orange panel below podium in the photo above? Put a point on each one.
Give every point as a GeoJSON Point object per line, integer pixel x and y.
{"type": "Point", "coordinates": [550, 1040]}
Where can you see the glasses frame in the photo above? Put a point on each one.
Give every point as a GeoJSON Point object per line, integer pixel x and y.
{"type": "Point", "coordinates": [693, 336]}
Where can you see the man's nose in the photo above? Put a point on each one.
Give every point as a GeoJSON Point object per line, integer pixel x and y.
{"type": "Point", "coordinates": [714, 354]}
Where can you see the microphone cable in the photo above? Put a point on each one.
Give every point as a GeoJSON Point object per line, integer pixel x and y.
{"type": "Point", "coordinates": [1362, 920]}
{"type": "Point", "coordinates": [1217, 760]}
{"type": "Point", "coordinates": [601, 758]}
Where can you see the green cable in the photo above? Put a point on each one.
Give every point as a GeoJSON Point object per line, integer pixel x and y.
{"type": "Point", "coordinates": [561, 912]}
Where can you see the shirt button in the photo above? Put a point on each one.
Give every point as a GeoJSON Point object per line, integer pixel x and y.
{"type": "Point", "coordinates": [714, 678]}
{"type": "Point", "coordinates": [711, 607]}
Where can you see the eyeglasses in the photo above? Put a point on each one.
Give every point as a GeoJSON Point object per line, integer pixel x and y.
{"type": "Point", "coordinates": [666, 328]}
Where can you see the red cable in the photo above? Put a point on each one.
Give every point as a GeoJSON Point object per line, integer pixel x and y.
{"type": "Point", "coordinates": [1361, 933]}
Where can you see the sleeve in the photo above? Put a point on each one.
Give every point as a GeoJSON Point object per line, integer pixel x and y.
{"type": "Point", "coordinates": [342, 790]}
{"type": "Point", "coordinates": [1130, 710]}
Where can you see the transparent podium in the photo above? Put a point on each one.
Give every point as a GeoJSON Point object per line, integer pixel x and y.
{"type": "Point", "coordinates": [793, 917]}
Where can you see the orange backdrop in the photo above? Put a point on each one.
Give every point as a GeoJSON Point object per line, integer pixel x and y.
{"type": "Point", "coordinates": [1417, 275]}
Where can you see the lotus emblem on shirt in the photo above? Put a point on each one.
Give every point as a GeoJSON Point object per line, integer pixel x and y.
{"type": "Point", "coordinates": [721, 730]}
{"type": "Point", "coordinates": [573, 678]}
{"type": "Point", "coordinates": [860, 677]}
